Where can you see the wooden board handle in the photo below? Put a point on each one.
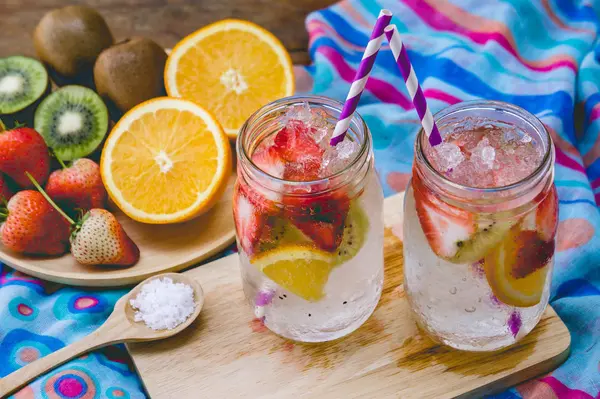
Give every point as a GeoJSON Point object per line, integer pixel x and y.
{"type": "Point", "coordinates": [110, 332]}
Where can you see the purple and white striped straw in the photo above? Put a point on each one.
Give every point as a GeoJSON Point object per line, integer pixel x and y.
{"type": "Point", "coordinates": [360, 80]}
{"type": "Point", "coordinates": [412, 84]}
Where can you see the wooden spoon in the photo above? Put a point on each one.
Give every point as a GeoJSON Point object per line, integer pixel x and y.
{"type": "Point", "coordinates": [119, 327]}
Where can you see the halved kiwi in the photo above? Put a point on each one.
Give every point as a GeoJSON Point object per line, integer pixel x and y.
{"type": "Point", "coordinates": [356, 227]}
{"type": "Point", "coordinates": [23, 82]}
{"type": "Point", "coordinates": [73, 120]}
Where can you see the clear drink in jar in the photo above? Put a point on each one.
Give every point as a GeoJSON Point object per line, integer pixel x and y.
{"type": "Point", "coordinates": [481, 215]}
{"type": "Point", "coordinates": [308, 220]}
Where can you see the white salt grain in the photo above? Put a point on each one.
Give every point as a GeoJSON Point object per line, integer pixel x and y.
{"type": "Point", "coordinates": [162, 304]}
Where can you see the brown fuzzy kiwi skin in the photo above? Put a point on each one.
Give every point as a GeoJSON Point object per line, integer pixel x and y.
{"type": "Point", "coordinates": [129, 73]}
{"type": "Point", "coordinates": [26, 115]}
{"type": "Point", "coordinates": [68, 40]}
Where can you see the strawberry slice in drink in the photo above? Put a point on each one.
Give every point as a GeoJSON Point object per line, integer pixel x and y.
{"type": "Point", "coordinates": [251, 212]}
{"type": "Point", "coordinates": [321, 217]}
{"type": "Point", "coordinates": [269, 160]}
{"type": "Point", "coordinates": [295, 142]}
{"type": "Point", "coordinates": [546, 216]}
{"type": "Point", "coordinates": [446, 227]}
{"type": "Point", "coordinates": [298, 148]}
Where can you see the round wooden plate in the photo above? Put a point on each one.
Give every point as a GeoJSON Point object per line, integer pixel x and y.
{"type": "Point", "coordinates": [163, 248]}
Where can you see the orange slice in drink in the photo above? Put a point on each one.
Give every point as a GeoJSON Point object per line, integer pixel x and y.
{"type": "Point", "coordinates": [166, 161]}
{"type": "Point", "coordinates": [300, 269]}
{"type": "Point", "coordinates": [232, 68]}
{"type": "Point", "coordinates": [517, 268]}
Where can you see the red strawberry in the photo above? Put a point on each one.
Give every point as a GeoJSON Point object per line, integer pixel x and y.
{"type": "Point", "coordinates": [529, 253]}
{"type": "Point", "coordinates": [24, 150]}
{"type": "Point", "coordinates": [546, 216]}
{"type": "Point", "coordinates": [269, 160]}
{"type": "Point", "coordinates": [321, 218]}
{"type": "Point", "coordinates": [295, 143]}
{"type": "Point", "coordinates": [250, 219]}
{"type": "Point", "coordinates": [32, 226]}
{"type": "Point", "coordinates": [445, 226]}
{"type": "Point", "coordinates": [303, 154]}
{"type": "Point", "coordinates": [78, 187]}
{"type": "Point", "coordinates": [5, 190]}
{"type": "Point", "coordinates": [99, 239]}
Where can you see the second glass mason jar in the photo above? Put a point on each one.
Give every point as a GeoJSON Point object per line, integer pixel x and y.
{"type": "Point", "coordinates": [309, 227]}
{"type": "Point", "coordinates": [480, 237]}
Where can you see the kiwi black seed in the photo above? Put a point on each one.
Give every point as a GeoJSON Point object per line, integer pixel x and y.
{"type": "Point", "coordinates": [73, 120]}
{"type": "Point", "coordinates": [23, 83]}
{"type": "Point", "coordinates": [355, 233]}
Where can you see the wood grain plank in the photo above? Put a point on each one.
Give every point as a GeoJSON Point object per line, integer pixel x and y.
{"type": "Point", "coordinates": [166, 21]}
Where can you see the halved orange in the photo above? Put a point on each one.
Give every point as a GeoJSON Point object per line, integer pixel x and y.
{"type": "Point", "coordinates": [231, 68]}
{"type": "Point", "coordinates": [167, 160]}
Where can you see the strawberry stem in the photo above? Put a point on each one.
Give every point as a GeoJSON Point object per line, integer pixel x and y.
{"type": "Point", "coordinates": [41, 190]}
{"type": "Point", "coordinates": [60, 161]}
{"type": "Point", "coordinates": [2, 126]}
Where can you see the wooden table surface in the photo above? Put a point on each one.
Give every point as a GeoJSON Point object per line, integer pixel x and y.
{"type": "Point", "coordinates": [165, 21]}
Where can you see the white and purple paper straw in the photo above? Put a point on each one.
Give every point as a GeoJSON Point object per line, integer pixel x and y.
{"type": "Point", "coordinates": [412, 84]}
{"type": "Point", "coordinates": [360, 80]}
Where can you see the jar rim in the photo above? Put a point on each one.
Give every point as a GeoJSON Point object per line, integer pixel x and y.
{"type": "Point", "coordinates": [356, 121]}
{"type": "Point", "coordinates": [538, 173]}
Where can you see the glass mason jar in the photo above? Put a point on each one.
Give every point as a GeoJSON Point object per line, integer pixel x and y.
{"type": "Point", "coordinates": [311, 252]}
{"type": "Point", "coordinates": [485, 283]}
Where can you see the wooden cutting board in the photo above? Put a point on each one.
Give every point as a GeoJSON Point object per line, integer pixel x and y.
{"type": "Point", "coordinates": [227, 354]}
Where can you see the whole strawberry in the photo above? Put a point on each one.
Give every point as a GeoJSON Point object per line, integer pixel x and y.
{"type": "Point", "coordinates": [23, 150]}
{"type": "Point", "coordinates": [99, 239]}
{"type": "Point", "coordinates": [32, 226]}
{"type": "Point", "coordinates": [78, 186]}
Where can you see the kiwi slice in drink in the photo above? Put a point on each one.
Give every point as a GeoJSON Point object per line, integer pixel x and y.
{"type": "Point", "coordinates": [279, 232]}
{"type": "Point", "coordinates": [490, 233]}
{"type": "Point", "coordinates": [73, 120]}
{"type": "Point", "coordinates": [356, 227]}
{"type": "Point", "coordinates": [23, 83]}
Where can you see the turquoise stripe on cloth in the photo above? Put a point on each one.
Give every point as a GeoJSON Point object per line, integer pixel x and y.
{"type": "Point", "coordinates": [543, 55]}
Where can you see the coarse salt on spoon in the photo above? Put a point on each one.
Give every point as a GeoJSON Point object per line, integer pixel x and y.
{"type": "Point", "coordinates": [121, 326]}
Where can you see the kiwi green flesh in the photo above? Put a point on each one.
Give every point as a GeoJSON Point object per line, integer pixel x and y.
{"type": "Point", "coordinates": [73, 120]}
{"type": "Point", "coordinates": [489, 235]}
{"type": "Point", "coordinates": [23, 81]}
{"type": "Point", "coordinates": [282, 232]}
{"type": "Point", "coordinates": [356, 227]}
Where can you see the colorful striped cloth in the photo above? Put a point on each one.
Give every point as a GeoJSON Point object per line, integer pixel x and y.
{"type": "Point", "coordinates": [542, 55]}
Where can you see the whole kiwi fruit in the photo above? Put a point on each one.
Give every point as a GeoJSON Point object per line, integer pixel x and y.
{"type": "Point", "coordinates": [69, 40]}
{"type": "Point", "coordinates": [129, 73]}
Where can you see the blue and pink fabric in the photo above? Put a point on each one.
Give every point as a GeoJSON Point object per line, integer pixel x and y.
{"type": "Point", "coordinates": [543, 55]}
